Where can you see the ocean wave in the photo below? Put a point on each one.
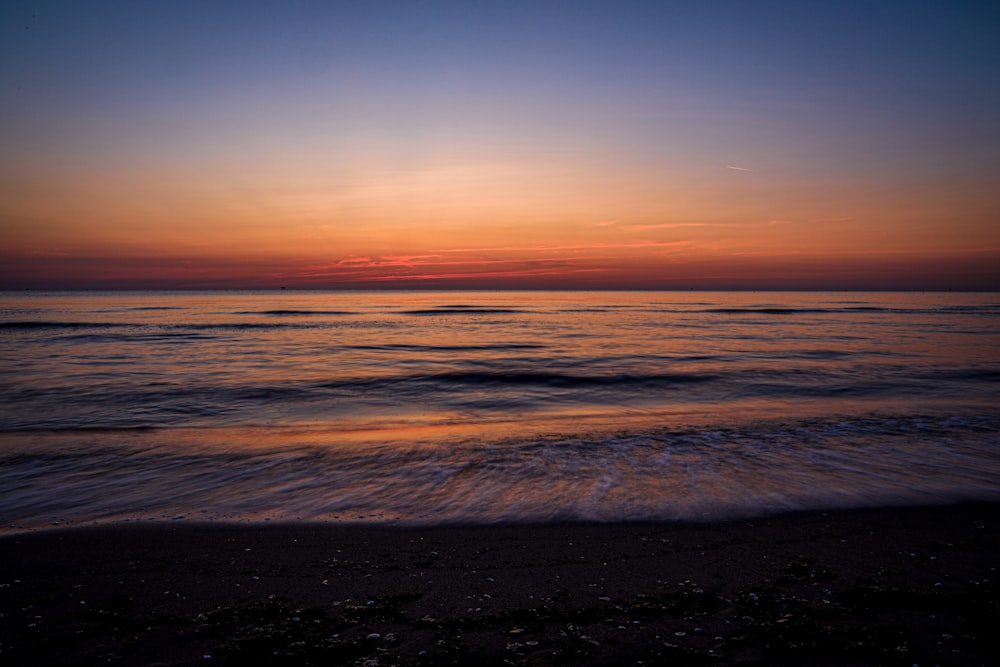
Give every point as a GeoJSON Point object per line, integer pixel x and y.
{"type": "Point", "coordinates": [524, 378]}
{"type": "Point", "coordinates": [412, 347]}
{"type": "Point", "coordinates": [693, 473]}
{"type": "Point", "coordinates": [296, 313]}
{"type": "Point", "coordinates": [463, 310]}
{"type": "Point", "coordinates": [155, 308]}
{"type": "Point", "coordinates": [45, 324]}
{"type": "Point", "coordinates": [133, 337]}
{"type": "Point", "coordinates": [121, 394]}
{"type": "Point", "coordinates": [848, 309]}
{"type": "Point", "coordinates": [765, 310]}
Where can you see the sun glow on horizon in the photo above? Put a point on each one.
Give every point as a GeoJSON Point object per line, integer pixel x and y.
{"type": "Point", "coordinates": [504, 149]}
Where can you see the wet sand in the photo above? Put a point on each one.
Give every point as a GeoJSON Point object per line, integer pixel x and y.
{"type": "Point", "coordinates": [888, 586]}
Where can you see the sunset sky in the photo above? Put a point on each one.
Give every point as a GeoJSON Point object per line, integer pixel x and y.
{"type": "Point", "coordinates": [668, 145]}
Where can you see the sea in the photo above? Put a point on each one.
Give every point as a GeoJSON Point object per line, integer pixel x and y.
{"type": "Point", "coordinates": [445, 407]}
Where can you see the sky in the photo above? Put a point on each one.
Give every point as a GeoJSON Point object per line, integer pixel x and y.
{"type": "Point", "coordinates": [494, 145]}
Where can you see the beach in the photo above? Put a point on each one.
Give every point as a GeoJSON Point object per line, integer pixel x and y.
{"type": "Point", "coordinates": [863, 587]}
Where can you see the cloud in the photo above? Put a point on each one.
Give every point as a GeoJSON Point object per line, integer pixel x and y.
{"type": "Point", "coordinates": [676, 225]}
{"type": "Point", "coordinates": [355, 261]}
{"type": "Point", "coordinates": [580, 246]}
{"type": "Point", "coordinates": [523, 273]}
{"type": "Point", "coordinates": [774, 223]}
{"type": "Point", "coordinates": [479, 262]}
{"type": "Point", "coordinates": [382, 260]}
{"type": "Point", "coordinates": [390, 268]}
{"type": "Point", "coordinates": [735, 168]}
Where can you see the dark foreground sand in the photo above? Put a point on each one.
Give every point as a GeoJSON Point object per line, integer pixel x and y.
{"type": "Point", "coordinates": [888, 587]}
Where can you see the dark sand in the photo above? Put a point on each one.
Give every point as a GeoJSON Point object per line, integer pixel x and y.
{"type": "Point", "coordinates": [887, 587]}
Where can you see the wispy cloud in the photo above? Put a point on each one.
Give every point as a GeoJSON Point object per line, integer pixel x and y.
{"type": "Point", "coordinates": [775, 223]}
{"type": "Point", "coordinates": [579, 246]}
{"type": "Point", "coordinates": [360, 265]}
{"type": "Point", "coordinates": [385, 260]}
{"type": "Point", "coordinates": [477, 262]}
{"type": "Point", "coordinates": [676, 225]}
{"type": "Point", "coordinates": [735, 168]}
{"type": "Point", "coordinates": [524, 273]}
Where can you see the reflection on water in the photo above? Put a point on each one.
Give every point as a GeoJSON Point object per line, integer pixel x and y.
{"type": "Point", "coordinates": [488, 406]}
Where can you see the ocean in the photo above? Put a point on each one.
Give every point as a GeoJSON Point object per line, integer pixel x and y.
{"type": "Point", "coordinates": [480, 407]}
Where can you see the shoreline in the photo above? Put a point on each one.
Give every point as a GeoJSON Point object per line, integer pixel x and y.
{"type": "Point", "coordinates": [866, 586]}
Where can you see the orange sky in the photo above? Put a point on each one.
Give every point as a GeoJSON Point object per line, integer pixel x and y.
{"type": "Point", "coordinates": [513, 150]}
